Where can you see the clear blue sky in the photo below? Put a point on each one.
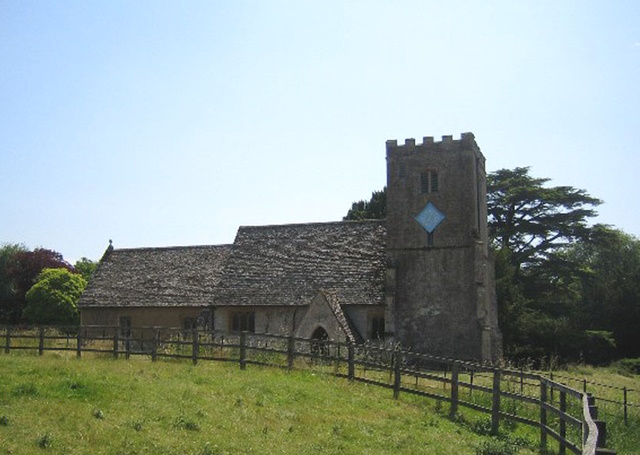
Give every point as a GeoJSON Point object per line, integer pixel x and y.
{"type": "Point", "coordinates": [158, 123]}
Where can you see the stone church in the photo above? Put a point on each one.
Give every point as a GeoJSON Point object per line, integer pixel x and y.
{"type": "Point", "coordinates": [422, 278]}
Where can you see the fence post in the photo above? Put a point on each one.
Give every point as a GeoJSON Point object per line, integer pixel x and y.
{"type": "Point", "coordinates": [563, 422]}
{"type": "Point", "coordinates": [351, 358]}
{"type": "Point", "coordinates": [243, 350]}
{"type": "Point", "coordinates": [543, 416]}
{"type": "Point", "coordinates": [602, 433]}
{"type": "Point", "coordinates": [41, 341]}
{"type": "Point", "coordinates": [115, 343]}
{"type": "Point", "coordinates": [7, 344]}
{"type": "Point", "coordinates": [471, 383]}
{"type": "Point", "coordinates": [495, 409]}
{"type": "Point", "coordinates": [195, 338]}
{"type": "Point", "coordinates": [455, 368]}
{"type": "Point", "coordinates": [154, 346]}
{"type": "Point", "coordinates": [291, 348]}
{"type": "Point", "coordinates": [127, 345]}
{"type": "Point", "coordinates": [593, 409]}
{"type": "Point", "coordinates": [79, 343]}
{"type": "Point", "coordinates": [624, 391]}
{"type": "Point", "coordinates": [396, 374]}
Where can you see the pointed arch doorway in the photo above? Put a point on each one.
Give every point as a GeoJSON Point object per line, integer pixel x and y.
{"type": "Point", "coordinates": [319, 343]}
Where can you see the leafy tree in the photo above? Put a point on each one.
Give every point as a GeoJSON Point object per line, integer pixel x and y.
{"type": "Point", "coordinates": [9, 302]}
{"type": "Point", "coordinates": [533, 221]}
{"type": "Point", "coordinates": [373, 209]}
{"type": "Point", "coordinates": [23, 268]}
{"type": "Point", "coordinates": [609, 280]}
{"type": "Point", "coordinates": [53, 298]}
{"type": "Point", "coordinates": [531, 226]}
{"type": "Point", "coordinates": [85, 267]}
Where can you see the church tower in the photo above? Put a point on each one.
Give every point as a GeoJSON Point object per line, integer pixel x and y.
{"type": "Point", "coordinates": [441, 289]}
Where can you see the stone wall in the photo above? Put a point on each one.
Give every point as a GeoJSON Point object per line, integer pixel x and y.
{"type": "Point", "coordinates": [140, 317]}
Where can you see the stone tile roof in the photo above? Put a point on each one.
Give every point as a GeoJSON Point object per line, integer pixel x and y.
{"type": "Point", "coordinates": [156, 277]}
{"type": "Point", "coordinates": [289, 264]}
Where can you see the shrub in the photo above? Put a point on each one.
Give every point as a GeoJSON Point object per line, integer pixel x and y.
{"type": "Point", "coordinates": [599, 346]}
{"type": "Point", "coordinates": [52, 300]}
{"type": "Point", "coordinates": [629, 366]}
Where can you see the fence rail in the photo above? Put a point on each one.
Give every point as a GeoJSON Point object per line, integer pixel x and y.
{"type": "Point", "coordinates": [561, 413]}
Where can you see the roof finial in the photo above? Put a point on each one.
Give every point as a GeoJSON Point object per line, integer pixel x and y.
{"type": "Point", "coordinates": [108, 251]}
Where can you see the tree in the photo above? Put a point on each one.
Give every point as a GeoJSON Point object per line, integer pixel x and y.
{"type": "Point", "coordinates": [532, 225]}
{"type": "Point", "coordinates": [85, 267]}
{"type": "Point", "coordinates": [533, 221]}
{"type": "Point", "coordinates": [53, 298]}
{"type": "Point", "coordinates": [373, 209]}
{"type": "Point", "coordinates": [8, 298]}
{"type": "Point", "coordinates": [609, 280]}
{"type": "Point", "coordinates": [22, 269]}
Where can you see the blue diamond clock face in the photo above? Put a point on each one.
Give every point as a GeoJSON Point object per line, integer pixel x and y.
{"type": "Point", "coordinates": [429, 217]}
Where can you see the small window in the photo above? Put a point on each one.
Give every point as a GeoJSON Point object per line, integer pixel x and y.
{"type": "Point", "coordinates": [243, 321]}
{"type": "Point", "coordinates": [429, 238]}
{"type": "Point", "coordinates": [434, 181]}
{"type": "Point", "coordinates": [377, 328]}
{"type": "Point", "coordinates": [429, 182]}
{"type": "Point", "coordinates": [424, 182]}
{"type": "Point", "coordinates": [403, 170]}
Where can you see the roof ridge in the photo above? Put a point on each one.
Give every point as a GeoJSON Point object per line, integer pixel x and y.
{"type": "Point", "coordinates": [175, 247]}
{"type": "Point", "coordinates": [317, 223]}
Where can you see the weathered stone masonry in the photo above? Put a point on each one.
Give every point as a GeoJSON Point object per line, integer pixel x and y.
{"type": "Point", "coordinates": [440, 297]}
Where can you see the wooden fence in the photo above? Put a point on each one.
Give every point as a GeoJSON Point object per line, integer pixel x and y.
{"type": "Point", "coordinates": [561, 413]}
{"type": "Point", "coordinates": [626, 402]}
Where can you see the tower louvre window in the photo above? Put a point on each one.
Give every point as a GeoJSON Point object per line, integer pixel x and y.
{"type": "Point", "coordinates": [424, 182]}
{"type": "Point", "coordinates": [403, 170]}
{"type": "Point", "coordinates": [434, 181]}
{"type": "Point", "coordinates": [429, 182]}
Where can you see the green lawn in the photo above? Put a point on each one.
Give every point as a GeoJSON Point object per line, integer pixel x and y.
{"type": "Point", "coordinates": [61, 405]}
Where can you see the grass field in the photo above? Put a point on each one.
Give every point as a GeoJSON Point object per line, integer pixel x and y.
{"type": "Point", "coordinates": [61, 405]}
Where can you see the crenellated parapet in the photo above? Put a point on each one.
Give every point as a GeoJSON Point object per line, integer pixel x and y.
{"type": "Point", "coordinates": [448, 143]}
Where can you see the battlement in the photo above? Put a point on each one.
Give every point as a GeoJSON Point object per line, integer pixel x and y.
{"type": "Point", "coordinates": [466, 141]}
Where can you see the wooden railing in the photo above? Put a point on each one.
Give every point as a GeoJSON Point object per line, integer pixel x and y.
{"type": "Point", "coordinates": [561, 413]}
